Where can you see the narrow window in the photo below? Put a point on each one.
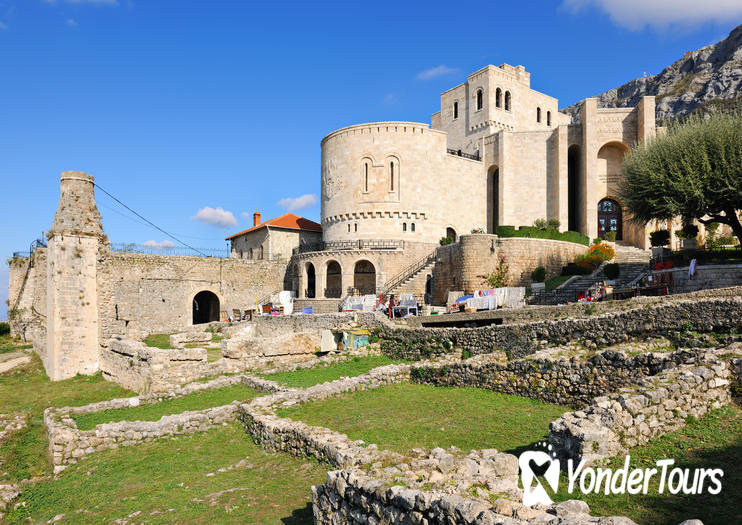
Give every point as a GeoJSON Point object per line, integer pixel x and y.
{"type": "Point", "coordinates": [365, 177]}
{"type": "Point", "coordinates": [260, 253]}
{"type": "Point", "coordinates": [479, 99]}
{"type": "Point", "coordinates": [538, 115]}
{"type": "Point", "coordinates": [404, 226]}
{"type": "Point", "coordinates": [356, 226]}
{"type": "Point", "coordinates": [498, 98]}
{"type": "Point", "coordinates": [240, 254]}
{"type": "Point", "coordinates": [348, 227]}
{"type": "Point", "coordinates": [249, 253]}
{"type": "Point", "coordinates": [507, 101]}
{"type": "Point", "coordinates": [548, 118]}
{"type": "Point", "coordinates": [455, 110]}
{"type": "Point", "coordinates": [391, 176]}
{"type": "Point", "coordinates": [412, 226]}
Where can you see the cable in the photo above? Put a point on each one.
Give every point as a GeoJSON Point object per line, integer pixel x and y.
{"type": "Point", "coordinates": [150, 222]}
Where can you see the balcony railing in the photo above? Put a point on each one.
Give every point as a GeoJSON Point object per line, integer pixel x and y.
{"type": "Point", "coordinates": [460, 153]}
{"type": "Point", "coordinates": [359, 244]}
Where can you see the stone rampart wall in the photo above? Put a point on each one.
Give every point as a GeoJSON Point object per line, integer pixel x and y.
{"type": "Point", "coordinates": [518, 340]}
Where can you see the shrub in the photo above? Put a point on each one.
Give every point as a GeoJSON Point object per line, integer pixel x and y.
{"type": "Point", "coordinates": [538, 275]}
{"type": "Point", "coordinates": [499, 277]}
{"type": "Point", "coordinates": [610, 236]}
{"type": "Point", "coordinates": [575, 269]}
{"type": "Point", "coordinates": [536, 233]}
{"type": "Point", "coordinates": [554, 224]}
{"type": "Point", "coordinates": [4, 328]}
{"type": "Point", "coordinates": [605, 251]}
{"type": "Point", "coordinates": [540, 224]}
{"type": "Point", "coordinates": [659, 238]}
{"type": "Point", "coordinates": [597, 240]}
{"type": "Point", "coordinates": [611, 271]}
{"type": "Point", "coordinates": [445, 241]}
{"type": "Point", "coordinates": [478, 230]}
{"type": "Point", "coordinates": [689, 231]}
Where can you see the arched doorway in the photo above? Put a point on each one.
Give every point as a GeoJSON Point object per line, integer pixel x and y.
{"type": "Point", "coordinates": [610, 218]}
{"type": "Point", "coordinates": [311, 281]}
{"type": "Point", "coordinates": [450, 232]}
{"type": "Point", "coordinates": [493, 181]}
{"type": "Point", "coordinates": [573, 188]}
{"type": "Point", "coordinates": [334, 283]}
{"type": "Point", "coordinates": [364, 278]}
{"type": "Point", "coordinates": [205, 307]}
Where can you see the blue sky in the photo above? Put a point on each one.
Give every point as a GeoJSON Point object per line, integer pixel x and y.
{"type": "Point", "coordinates": [179, 106]}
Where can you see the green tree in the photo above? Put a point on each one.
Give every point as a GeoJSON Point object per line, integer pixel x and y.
{"type": "Point", "coordinates": [693, 172]}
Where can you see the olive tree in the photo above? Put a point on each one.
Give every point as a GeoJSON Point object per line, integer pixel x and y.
{"type": "Point", "coordinates": [694, 171]}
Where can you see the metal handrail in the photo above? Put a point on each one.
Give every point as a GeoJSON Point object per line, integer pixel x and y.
{"type": "Point", "coordinates": [409, 271]}
{"type": "Point", "coordinates": [358, 244]}
{"type": "Point", "coordinates": [460, 153]}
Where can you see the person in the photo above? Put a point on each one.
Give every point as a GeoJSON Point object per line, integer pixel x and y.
{"type": "Point", "coordinates": [392, 304]}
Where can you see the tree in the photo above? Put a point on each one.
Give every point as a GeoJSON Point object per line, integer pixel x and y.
{"type": "Point", "coordinates": [693, 172]}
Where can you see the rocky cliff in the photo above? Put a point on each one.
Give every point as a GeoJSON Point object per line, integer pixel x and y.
{"type": "Point", "coordinates": [707, 77]}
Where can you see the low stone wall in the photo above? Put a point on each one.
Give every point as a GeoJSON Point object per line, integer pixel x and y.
{"type": "Point", "coordinates": [68, 444]}
{"type": "Point", "coordinates": [631, 417]}
{"type": "Point", "coordinates": [518, 340]}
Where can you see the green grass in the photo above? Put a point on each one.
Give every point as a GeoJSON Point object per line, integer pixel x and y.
{"type": "Point", "coordinates": [320, 374]}
{"type": "Point", "coordinates": [196, 401]}
{"type": "Point", "coordinates": [9, 344]}
{"type": "Point", "coordinates": [213, 354]}
{"type": "Point", "coordinates": [556, 281]}
{"type": "Point", "coordinates": [171, 474]}
{"type": "Point", "coordinates": [28, 389]}
{"type": "Point", "coordinates": [713, 441]}
{"type": "Point", "coordinates": [158, 341]}
{"type": "Point", "coordinates": [404, 416]}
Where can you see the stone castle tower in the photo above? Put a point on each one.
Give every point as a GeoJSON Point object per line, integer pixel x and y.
{"type": "Point", "coordinates": [72, 292]}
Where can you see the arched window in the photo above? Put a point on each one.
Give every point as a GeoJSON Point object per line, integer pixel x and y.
{"type": "Point", "coordinates": [498, 98]}
{"type": "Point", "coordinates": [480, 97]}
{"type": "Point", "coordinates": [365, 176]}
{"type": "Point", "coordinates": [538, 115]}
{"type": "Point", "coordinates": [260, 252]}
{"type": "Point", "coordinates": [391, 176]}
{"type": "Point", "coordinates": [404, 226]}
{"type": "Point", "coordinates": [455, 110]}
{"type": "Point", "coordinates": [412, 227]}
{"type": "Point", "coordinates": [507, 101]}
{"type": "Point", "coordinates": [548, 118]}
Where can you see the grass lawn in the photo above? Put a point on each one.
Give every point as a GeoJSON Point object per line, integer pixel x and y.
{"type": "Point", "coordinates": [158, 341]}
{"type": "Point", "coordinates": [321, 374]}
{"type": "Point", "coordinates": [9, 344]}
{"type": "Point", "coordinates": [556, 281]}
{"type": "Point", "coordinates": [166, 482]}
{"type": "Point", "coordinates": [714, 441]}
{"type": "Point", "coordinates": [196, 401]}
{"type": "Point", "coordinates": [404, 416]}
{"type": "Point", "coordinates": [28, 389]}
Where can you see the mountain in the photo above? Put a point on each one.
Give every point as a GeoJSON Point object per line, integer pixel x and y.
{"type": "Point", "coordinates": [707, 77]}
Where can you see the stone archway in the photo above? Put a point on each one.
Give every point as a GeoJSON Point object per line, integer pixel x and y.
{"type": "Point", "coordinates": [205, 307]}
{"type": "Point", "coordinates": [364, 277]}
{"type": "Point", "coordinates": [610, 218]}
{"type": "Point", "coordinates": [450, 232]}
{"type": "Point", "coordinates": [334, 280]}
{"type": "Point", "coordinates": [311, 281]}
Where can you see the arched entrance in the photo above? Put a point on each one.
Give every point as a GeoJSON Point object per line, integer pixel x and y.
{"type": "Point", "coordinates": [364, 278]}
{"type": "Point", "coordinates": [573, 188]}
{"type": "Point", "coordinates": [610, 218]}
{"type": "Point", "coordinates": [311, 281]}
{"type": "Point", "coordinates": [334, 283]}
{"type": "Point", "coordinates": [493, 181]}
{"type": "Point", "coordinates": [450, 232]}
{"type": "Point", "coordinates": [205, 307]}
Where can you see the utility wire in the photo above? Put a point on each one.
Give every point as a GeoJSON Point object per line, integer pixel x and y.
{"type": "Point", "coordinates": [150, 222]}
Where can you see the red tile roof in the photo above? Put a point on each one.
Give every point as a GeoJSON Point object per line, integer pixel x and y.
{"type": "Point", "coordinates": [288, 221]}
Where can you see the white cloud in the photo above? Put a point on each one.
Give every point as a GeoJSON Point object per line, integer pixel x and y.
{"type": "Point", "coordinates": [215, 216]}
{"type": "Point", "coordinates": [3, 26]}
{"type": "Point", "coordinates": [71, 22]}
{"type": "Point", "coordinates": [437, 71]}
{"type": "Point", "coordinates": [299, 203]}
{"type": "Point", "coordinates": [660, 14]}
{"type": "Point", "coordinates": [163, 245]}
{"type": "Point", "coordinates": [389, 99]}
{"type": "Point", "coordinates": [82, 2]}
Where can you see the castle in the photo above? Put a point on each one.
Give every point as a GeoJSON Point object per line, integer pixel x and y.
{"type": "Point", "coordinates": [497, 153]}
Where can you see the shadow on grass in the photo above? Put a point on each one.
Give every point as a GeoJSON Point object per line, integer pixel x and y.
{"type": "Point", "coordinates": [302, 516]}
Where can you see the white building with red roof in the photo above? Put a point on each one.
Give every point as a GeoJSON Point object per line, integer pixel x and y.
{"type": "Point", "coordinates": [275, 238]}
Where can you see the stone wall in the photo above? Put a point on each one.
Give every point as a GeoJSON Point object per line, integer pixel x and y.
{"type": "Point", "coordinates": [68, 445]}
{"type": "Point", "coordinates": [460, 266]}
{"type": "Point", "coordinates": [27, 296]}
{"type": "Point", "coordinates": [707, 276]}
{"type": "Point", "coordinates": [518, 340]}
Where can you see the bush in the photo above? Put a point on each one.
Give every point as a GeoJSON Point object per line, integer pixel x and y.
{"type": "Point", "coordinates": [4, 328]}
{"type": "Point", "coordinates": [536, 233]}
{"type": "Point", "coordinates": [689, 231]}
{"type": "Point", "coordinates": [540, 224]}
{"type": "Point", "coordinates": [611, 271]}
{"type": "Point", "coordinates": [597, 240]}
{"type": "Point", "coordinates": [610, 236]}
{"type": "Point", "coordinates": [553, 224]}
{"type": "Point", "coordinates": [445, 241]}
{"type": "Point", "coordinates": [538, 275]}
{"type": "Point", "coordinates": [478, 230]}
{"type": "Point", "coordinates": [575, 269]}
{"type": "Point", "coordinates": [659, 238]}
{"type": "Point", "coordinates": [605, 251]}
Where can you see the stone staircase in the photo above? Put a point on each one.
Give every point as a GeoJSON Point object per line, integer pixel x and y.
{"type": "Point", "coordinates": [632, 262]}
{"type": "Point", "coordinates": [412, 279]}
